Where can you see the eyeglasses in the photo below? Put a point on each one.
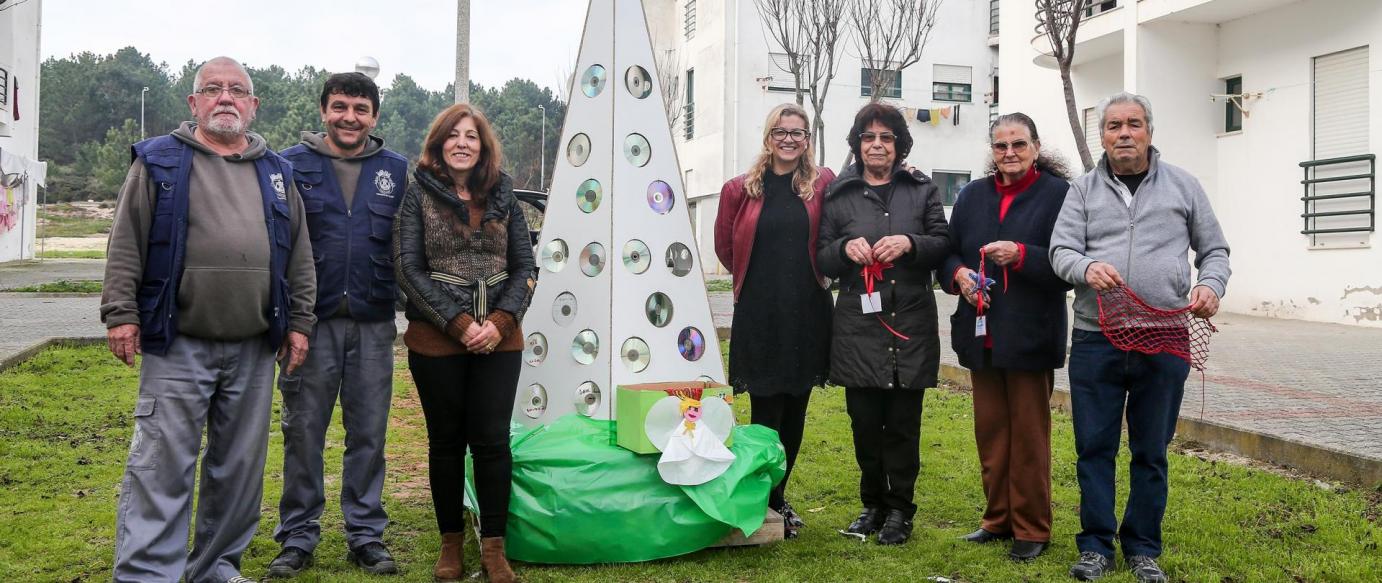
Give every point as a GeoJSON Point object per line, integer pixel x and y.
{"type": "Point", "coordinates": [885, 137]}
{"type": "Point", "coordinates": [780, 134]}
{"type": "Point", "coordinates": [1017, 147]}
{"type": "Point", "coordinates": [214, 91]}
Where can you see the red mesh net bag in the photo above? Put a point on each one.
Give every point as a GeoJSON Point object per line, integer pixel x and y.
{"type": "Point", "coordinates": [1130, 324]}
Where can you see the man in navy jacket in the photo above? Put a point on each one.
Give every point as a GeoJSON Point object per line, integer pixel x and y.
{"type": "Point", "coordinates": [350, 189]}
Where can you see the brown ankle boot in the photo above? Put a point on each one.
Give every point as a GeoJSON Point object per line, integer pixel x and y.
{"type": "Point", "coordinates": [449, 566]}
{"type": "Point", "coordinates": [495, 563]}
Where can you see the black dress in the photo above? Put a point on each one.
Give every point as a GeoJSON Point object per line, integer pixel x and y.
{"type": "Point", "coordinates": [780, 342]}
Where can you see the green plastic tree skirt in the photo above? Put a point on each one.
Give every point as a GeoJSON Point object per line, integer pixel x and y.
{"type": "Point", "coordinates": [580, 499]}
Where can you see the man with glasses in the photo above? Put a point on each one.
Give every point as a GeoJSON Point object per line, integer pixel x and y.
{"type": "Point", "coordinates": [351, 187]}
{"type": "Point", "coordinates": [1131, 222]}
{"type": "Point", "coordinates": [209, 275]}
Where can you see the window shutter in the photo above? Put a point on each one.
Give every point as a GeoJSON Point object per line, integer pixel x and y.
{"type": "Point", "coordinates": [951, 74]}
{"type": "Point", "coordinates": [1341, 104]}
{"type": "Point", "coordinates": [1091, 133]}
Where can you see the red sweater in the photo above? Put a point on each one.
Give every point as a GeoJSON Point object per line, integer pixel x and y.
{"type": "Point", "coordinates": [737, 223]}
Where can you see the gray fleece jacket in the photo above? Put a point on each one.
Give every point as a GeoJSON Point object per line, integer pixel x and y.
{"type": "Point", "coordinates": [1148, 242]}
{"type": "Point", "coordinates": [224, 291]}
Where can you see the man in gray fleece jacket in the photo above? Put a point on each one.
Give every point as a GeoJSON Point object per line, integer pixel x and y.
{"type": "Point", "coordinates": [209, 275]}
{"type": "Point", "coordinates": [1130, 222]}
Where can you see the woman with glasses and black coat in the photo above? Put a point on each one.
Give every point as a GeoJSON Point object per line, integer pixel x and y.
{"type": "Point", "coordinates": [884, 231]}
{"type": "Point", "coordinates": [765, 234]}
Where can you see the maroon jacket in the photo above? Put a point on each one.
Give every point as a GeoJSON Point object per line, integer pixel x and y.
{"type": "Point", "coordinates": [737, 223]}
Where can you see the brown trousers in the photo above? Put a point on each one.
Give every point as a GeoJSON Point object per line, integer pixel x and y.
{"type": "Point", "coordinates": [1012, 427]}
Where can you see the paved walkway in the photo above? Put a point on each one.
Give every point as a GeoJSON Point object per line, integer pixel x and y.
{"type": "Point", "coordinates": [1319, 385]}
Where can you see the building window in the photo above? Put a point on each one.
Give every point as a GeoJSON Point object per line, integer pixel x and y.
{"type": "Point", "coordinates": [4, 87]}
{"type": "Point", "coordinates": [993, 17]}
{"type": "Point", "coordinates": [780, 78]}
{"type": "Point", "coordinates": [952, 83]}
{"type": "Point", "coordinates": [890, 82]}
{"type": "Point", "coordinates": [689, 19]}
{"type": "Point", "coordinates": [1093, 134]}
{"type": "Point", "coordinates": [950, 184]}
{"type": "Point", "coordinates": [1233, 117]}
{"type": "Point", "coordinates": [1097, 7]}
{"type": "Point", "coordinates": [689, 116]}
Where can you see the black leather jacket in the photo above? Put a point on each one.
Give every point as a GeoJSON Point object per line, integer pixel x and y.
{"type": "Point", "coordinates": [428, 238]}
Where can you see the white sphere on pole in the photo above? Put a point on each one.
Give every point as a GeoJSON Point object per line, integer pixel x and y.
{"type": "Point", "coordinates": [369, 66]}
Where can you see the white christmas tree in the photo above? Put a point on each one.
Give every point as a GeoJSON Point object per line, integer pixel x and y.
{"type": "Point", "coordinates": [620, 297]}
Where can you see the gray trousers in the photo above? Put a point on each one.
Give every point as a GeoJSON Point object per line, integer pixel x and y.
{"type": "Point", "coordinates": [226, 388]}
{"type": "Point", "coordinates": [355, 361]}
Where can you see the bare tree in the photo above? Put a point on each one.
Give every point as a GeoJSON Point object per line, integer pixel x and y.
{"type": "Point", "coordinates": [810, 35]}
{"type": "Point", "coordinates": [1058, 21]}
{"type": "Point", "coordinates": [890, 36]}
{"type": "Point", "coordinates": [784, 22]}
{"type": "Point", "coordinates": [668, 64]}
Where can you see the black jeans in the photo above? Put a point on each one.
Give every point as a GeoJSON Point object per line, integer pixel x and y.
{"type": "Point", "coordinates": [887, 430]}
{"type": "Point", "coordinates": [785, 414]}
{"type": "Point", "coordinates": [467, 400]}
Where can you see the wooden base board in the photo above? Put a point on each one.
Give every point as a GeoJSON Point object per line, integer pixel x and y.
{"type": "Point", "coordinates": [769, 533]}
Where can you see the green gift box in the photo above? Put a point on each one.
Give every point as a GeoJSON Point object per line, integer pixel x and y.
{"type": "Point", "coordinates": [632, 403]}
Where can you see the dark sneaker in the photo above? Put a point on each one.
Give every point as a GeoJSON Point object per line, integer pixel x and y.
{"type": "Point", "coordinates": [869, 521]}
{"type": "Point", "coordinates": [896, 529]}
{"type": "Point", "coordinates": [982, 536]}
{"type": "Point", "coordinates": [1145, 569]}
{"type": "Point", "coordinates": [1091, 566]}
{"type": "Point", "coordinates": [789, 516]}
{"type": "Point", "coordinates": [289, 562]}
{"type": "Point", "coordinates": [373, 558]}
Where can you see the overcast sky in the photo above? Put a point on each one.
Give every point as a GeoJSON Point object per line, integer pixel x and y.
{"type": "Point", "coordinates": [532, 39]}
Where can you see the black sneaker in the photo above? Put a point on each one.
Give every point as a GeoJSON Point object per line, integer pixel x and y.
{"type": "Point", "coordinates": [1091, 566]}
{"type": "Point", "coordinates": [869, 521]}
{"type": "Point", "coordinates": [289, 562]}
{"type": "Point", "coordinates": [790, 516]}
{"type": "Point", "coordinates": [1145, 569]}
{"type": "Point", "coordinates": [373, 558]}
{"type": "Point", "coordinates": [896, 529]}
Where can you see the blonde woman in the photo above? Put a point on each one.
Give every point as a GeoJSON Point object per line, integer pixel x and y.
{"type": "Point", "coordinates": [765, 235]}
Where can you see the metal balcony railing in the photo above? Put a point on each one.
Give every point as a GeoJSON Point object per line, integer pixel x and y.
{"type": "Point", "coordinates": [1311, 198]}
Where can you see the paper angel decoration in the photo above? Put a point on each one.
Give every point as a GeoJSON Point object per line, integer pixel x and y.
{"type": "Point", "coordinates": [690, 434]}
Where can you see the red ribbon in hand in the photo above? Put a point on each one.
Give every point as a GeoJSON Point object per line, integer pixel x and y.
{"type": "Point", "coordinates": [871, 273]}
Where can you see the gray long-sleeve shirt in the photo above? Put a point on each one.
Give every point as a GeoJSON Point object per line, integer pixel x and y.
{"type": "Point", "coordinates": [1147, 241]}
{"type": "Point", "coordinates": [224, 292]}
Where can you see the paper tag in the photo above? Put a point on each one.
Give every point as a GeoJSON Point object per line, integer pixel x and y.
{"type": "Point", "coordinates": [871, 303]}
{"type": "Point", "coordinates": [981, 326]}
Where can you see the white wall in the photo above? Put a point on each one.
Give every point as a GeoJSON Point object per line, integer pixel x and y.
{"type": "Point", "coordinates": [1258, 191]}
{"type": "Point", "coordinates": [19, 51]}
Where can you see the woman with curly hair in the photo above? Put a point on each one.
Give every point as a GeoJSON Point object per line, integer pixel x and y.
{"type": "Point", "coordinates": [765, 234]}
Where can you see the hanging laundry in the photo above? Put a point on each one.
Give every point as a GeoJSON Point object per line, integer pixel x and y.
{"type": "Point", "coordinates": [956, 118]}
{"type": "Point", "coordinates": [935, 116]}
{"type": "Point", "coordinates": [945, 112]}
{"type": "Point", "coordinates": [923, 115]}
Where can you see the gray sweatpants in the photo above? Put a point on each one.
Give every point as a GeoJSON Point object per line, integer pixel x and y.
{"type": "Point", "coordinates": [355, 361]}
{"type": "Point", "coordinates": [226, 388]}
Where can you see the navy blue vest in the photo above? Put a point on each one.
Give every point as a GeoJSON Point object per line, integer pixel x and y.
{"type": "Point", "coordinates": [169, 163]}
{"type": "Point", "coordinates": [352, 247]}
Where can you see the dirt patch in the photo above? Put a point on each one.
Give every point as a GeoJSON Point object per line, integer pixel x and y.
{"type": "Point", "coordinates": [89, 243]}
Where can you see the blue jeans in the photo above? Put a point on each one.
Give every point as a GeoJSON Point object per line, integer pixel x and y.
{"type": "Point", "coordinates": [1102, 380]}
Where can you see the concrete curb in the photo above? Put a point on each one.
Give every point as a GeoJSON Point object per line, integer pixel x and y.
{"type": "Point", "coordinates": [1311, 459]}
{"type": "Point", "coordinates": [17, 358]}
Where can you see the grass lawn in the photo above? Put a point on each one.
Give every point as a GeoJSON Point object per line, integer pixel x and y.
{"type": "Point", "coordinates": [67, 220]}
{"type": "Point", "coordinates": [73, 254]}
{"type": "Point", "coordinates": [65, 427]}
{"type": "Point", "coordinates": [719, 285]}
{"type": "Point", "coordinates": [64, 286]}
